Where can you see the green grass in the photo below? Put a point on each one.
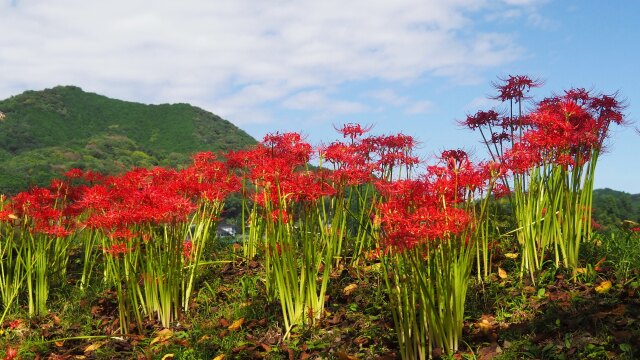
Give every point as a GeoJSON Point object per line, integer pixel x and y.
{"type": "Point", "coordinates": [562, 317]}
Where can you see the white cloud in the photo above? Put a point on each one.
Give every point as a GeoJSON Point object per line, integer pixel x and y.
{"type": "Point", "coordinates": [387, 96]}
{"type": "Point", "coordinates": [419, 107]}
{"type": "Point", "coordinates": [318, 101]}
{"type": "Point", "coordinates": [237, 56]}
{"type": "Point", "coordinates": [410, 106]}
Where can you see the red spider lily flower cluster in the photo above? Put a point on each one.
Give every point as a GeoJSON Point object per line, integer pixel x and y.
{"type": "Point", "coordinates": [276, 169]}
{"type": "Point", "coordinates": [566, 129]}
{"type": "Point", "coordinates": [563, 129]}
{"type": "Point", "coordinates": [433, 207]}
{"type": "Point", "coordinates": [353, 131]}
{"type": "Point", "coordinates": [49, 211]}
{"type": "Point", "coordinates": [368, 158]}
{"type": "Point", "coordinates": [515, 87]}
{"type": "Point", "coordinates": [116, 205]}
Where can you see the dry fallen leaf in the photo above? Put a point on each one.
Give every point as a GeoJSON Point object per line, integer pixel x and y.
{"type": "Point", "coordinates": [349, 289]}
{"type": "Point", "coordinates": [344, 356]}
{"type": "Point", "coordinates": [204, 338]}
{"type": "Point", "coordinates": [598, 265]}
{"type": "Point", "coordinates": [236, 324]}
{"type": "Point", "coordinates": [93, 347]}
{"type": "Point", "coordinates": [59, 343]}
{"type": "Point", "coordinates": [502, 274]}
{"type": "Point", "coordinates": [162, 336]}
{"type": "Point", "coordinates": [603, 287]}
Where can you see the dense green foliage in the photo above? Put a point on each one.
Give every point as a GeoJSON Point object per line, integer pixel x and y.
{"type": "Point", "coordinates": [611, 207]}
{"type": "Point", "coordinates": [45, 133]}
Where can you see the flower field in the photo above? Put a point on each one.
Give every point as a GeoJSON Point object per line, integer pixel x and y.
{"type": "Point", "coordinates": [371, 253]}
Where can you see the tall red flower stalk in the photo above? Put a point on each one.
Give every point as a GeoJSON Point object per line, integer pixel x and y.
{"type": "Point", "coordinates": [152, 225]}
{"type": "Point", "coordinates": [11, 253]}
{"type": "Point", "coordinates": [289, 224]}
{"type": "Point", "coordinates": [40, 246]}
{"type": "Point", "coordinates": [551, 153]}
{"type": "Point", "coordinates": [559, 153]}
{"type": "Point", "coordinates": [355, 166]}
{"type": "Point", "coordinates": [429, 228]}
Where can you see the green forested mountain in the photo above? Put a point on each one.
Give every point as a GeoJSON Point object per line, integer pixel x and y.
{"type": "Point", "coordinates": [611, 207]}
{"type": "Point", "coordinates": [44, 133]}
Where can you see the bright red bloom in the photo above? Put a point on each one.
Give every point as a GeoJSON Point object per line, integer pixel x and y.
{"type": "Point", "coordinates": [430, 208]}
{"type": "Point", "coordinates": [117, 249]}
{"type": "Point", "coordinates": [481, 119]}
{"type": "Point", "coordinates": [515, 87]}
{"type": "Point", "coordinates": [353, 131]}
{"type": "Point", "coordinates": [10, 353]}
{"type": "Point", "coordinates": [187, 248]}
{"type": "Point", "coordinates": [565, 130]}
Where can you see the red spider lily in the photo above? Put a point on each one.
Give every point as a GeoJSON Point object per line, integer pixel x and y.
{"type": "Point", "coordinates": [355, 163]}
{"type": "Point", "coordinates": [427, 209]}
{"type": "Point", "coordinates": [280, 215]}
{"type": "Point", "coordinates": [10, 353]}
{"type": "Point", "coordinates": [47, 209]}
{"type": "Point", "coordinates": [413, 213]}
{"type": "Point", "coordinates": [117, 249]}
{"type": "Point", "coordinates": [351, 166]}
{"type": "Point", "coordinates": [353, 131]}
{"type": "Point", "coordinates": [121, 234]}
{"type": "Point", "coordinates": [289, 146]}
{"type": "Point", "coordinates": [187, 248]}
{"type": "Point", "coordinates": [307, 186]}
{"type": "Point", "coordinates": [566, 129]}
{"type": "Point", "coordinates": [500, 190]}
{"type": "Point", "coordinates": [515, 87]}
{"type": "Point", "coordinates": [140, 196]}
{"type": "Point", "coordinates": [207, 179]}
{"type": "Point", "coordinates": [482, 119]}
{"type": "Point", "coordinates": [74, 173]}
{"type": "Point", "coordinates": [522, 157]}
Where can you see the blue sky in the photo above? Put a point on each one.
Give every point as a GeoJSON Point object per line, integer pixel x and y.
{"type": "Point", "coordinates": [411, 66]}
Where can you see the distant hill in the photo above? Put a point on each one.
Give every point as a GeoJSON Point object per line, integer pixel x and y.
{"type": "Point", "coordinates": [44, 133]}
{"type": "Point", "coordinates": [611, 207]}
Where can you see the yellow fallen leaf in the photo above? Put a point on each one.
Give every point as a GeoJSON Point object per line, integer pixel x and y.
{"type": "Point", "coordinates": [236, 324]}
{"type": "Point", "coordinates": [511, 255]}
{"type": "Point", "coordinates": [219, 357]}
{"type": "Point", "coordinates": [603, 287]}
{"type": "Point", "coordinates": [349, 289]}
{"type": "Point", "coordinates": [204, 338]}
{"type": "Point", "coordinates": [502, 274]}
{"type": "Point", "coordinates": [162, 336]}
{"type": "Point", "coordinates": [484, 325]}
{"type": "Point", "coordinates": [93, 347]}
{"type": "Point", "coordinates": [168, 356]}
